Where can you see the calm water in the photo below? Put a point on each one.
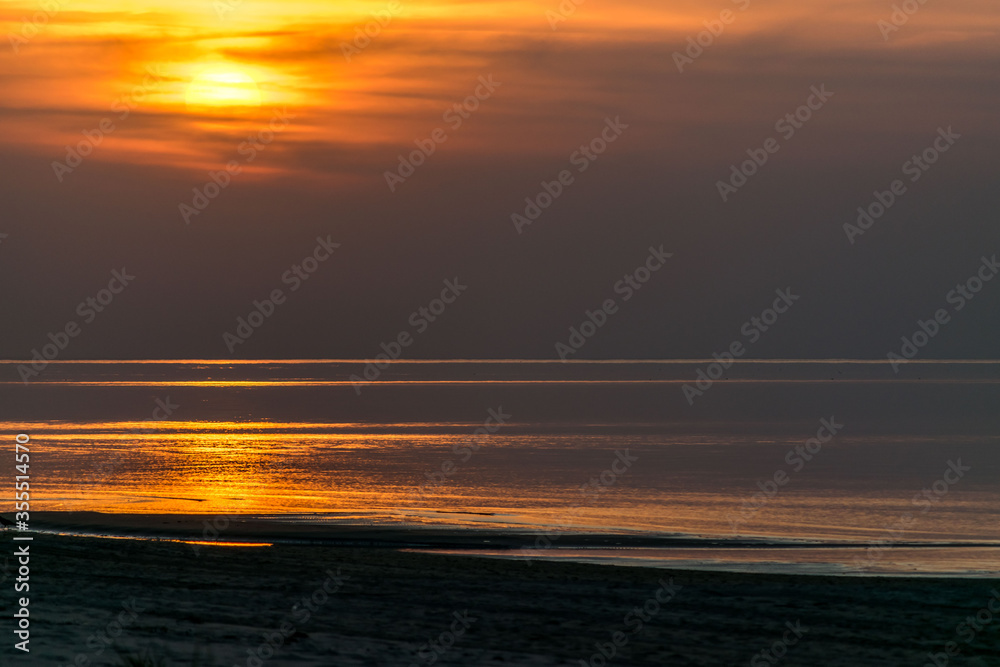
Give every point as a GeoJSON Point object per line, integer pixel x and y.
{"type": "Point", "coordinates": [582, 448]}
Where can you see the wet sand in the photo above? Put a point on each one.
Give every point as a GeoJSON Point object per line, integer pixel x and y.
{"type": "Point", "coordinates": [381, 606]}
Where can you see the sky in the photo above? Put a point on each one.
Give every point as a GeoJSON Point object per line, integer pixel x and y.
{"type": "Point", "coordinates": [611, 118]}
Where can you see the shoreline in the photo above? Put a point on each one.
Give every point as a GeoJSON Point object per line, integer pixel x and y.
{"type": "Point", "coordinates": [187, 527]}
{"type": "Point", "coordinates": [946, 560]}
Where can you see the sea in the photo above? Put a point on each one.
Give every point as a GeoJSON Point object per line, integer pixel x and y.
{"type": "Point", "coordinates": [839, 467]}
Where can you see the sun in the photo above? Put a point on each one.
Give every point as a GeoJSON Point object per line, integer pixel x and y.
{"type": "Point", "coordinates": [223, 88]}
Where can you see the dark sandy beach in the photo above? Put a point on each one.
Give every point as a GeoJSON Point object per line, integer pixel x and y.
{"type": "Point", "coordinates": [381, 606]}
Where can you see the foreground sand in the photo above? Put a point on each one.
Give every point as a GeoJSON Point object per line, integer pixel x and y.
{"type": "Point", "coordinates": [217, 603]}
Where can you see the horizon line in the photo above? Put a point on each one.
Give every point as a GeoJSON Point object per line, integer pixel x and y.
{"type": "Point", "coordinates": [831, 360]}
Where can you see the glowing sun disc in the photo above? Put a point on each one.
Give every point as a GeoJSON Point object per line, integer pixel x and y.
{"type": "Point", "coordinates": [223, 87]}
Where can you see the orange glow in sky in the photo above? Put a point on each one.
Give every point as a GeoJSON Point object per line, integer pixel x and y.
{"type": "Point", "coordinates": [377, 74]}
